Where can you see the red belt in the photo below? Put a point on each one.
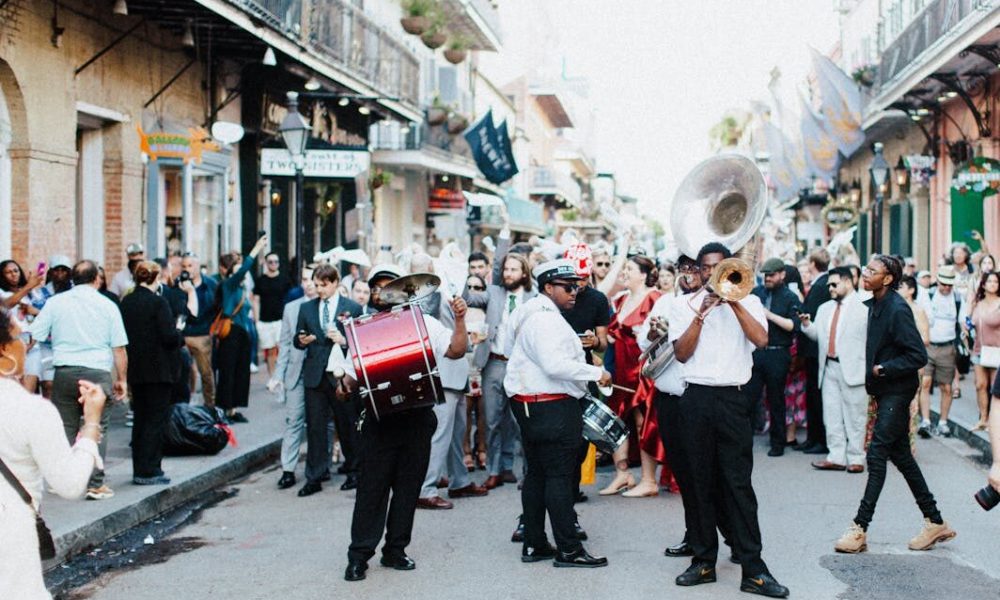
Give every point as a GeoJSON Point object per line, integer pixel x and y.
{"type": "Point", "coordinates": [498, 356]}
{"type": "Point", "coordinates": [532, 398]}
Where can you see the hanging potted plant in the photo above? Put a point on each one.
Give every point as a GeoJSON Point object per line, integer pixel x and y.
{"type": "Point", "coordinates": [457, 50]}
{"type": "Point", "coordinates": [379, 179]}
{"type": "Point", "coordinates": [864, 75]}
{"type": "Point", "coordinates": [457, 123]}
{"type": "Point", "coordinates": [435, 36]}
{"type": "Point", "coordinates": [437, 113]}
{"type": "Point", "coordinates": [416, 19]}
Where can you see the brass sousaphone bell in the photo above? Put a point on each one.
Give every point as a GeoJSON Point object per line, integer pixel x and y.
{"type": "Point", "coordinates": [723, 199]}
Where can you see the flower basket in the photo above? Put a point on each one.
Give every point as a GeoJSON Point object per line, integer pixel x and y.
{"type": "Point", "coordinates": [436, 116]}
{"type": "Point", "coordinates": [415, 25]}
{"type": "Point", "coordinates": [455, 56]}
{"type": "Point", "coordinates": [434, 39]}
{"type": "Point", "coordinates": [457, 124]}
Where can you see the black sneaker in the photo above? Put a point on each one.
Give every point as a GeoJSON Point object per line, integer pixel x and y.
{"type": "Point", "coordinates": [530, 554]}
{"type": "Point", "coordinates": [924, 431]}
{"type": "Point", "coordinates": [697, 574]}
{"type": "Point", "coordinates": [765, 585]}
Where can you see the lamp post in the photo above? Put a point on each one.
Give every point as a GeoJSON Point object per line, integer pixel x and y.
{"type": "Point", "coordinates": [879, 172]}
{"type": "Point", "coordinates": [295, 132]}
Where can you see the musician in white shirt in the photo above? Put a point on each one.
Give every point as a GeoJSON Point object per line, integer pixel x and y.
{"type": "Point", "coordinates": [715, 340]}
{"type": "Point", "coordinates": [546, 376]}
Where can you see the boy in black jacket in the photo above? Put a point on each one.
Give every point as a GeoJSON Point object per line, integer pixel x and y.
{"type": "Point", "coordinates": [895, 352]}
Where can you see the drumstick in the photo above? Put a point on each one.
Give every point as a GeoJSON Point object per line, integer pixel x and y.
{"type": "Point", "coordinates": [622, 388]}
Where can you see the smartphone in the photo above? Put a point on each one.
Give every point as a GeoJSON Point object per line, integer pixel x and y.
{"type": "Point", "coordinates": [40, 269]}
{"type": "Point", "coordinates": [261, 234]}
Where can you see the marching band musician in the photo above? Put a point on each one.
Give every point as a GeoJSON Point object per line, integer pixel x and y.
{"type": "Point", "coordinates": [715, 345]}
{"type": "Point", "coordinates": [546, 377]}
{"type": "Point", "coordinates": [395, 449]}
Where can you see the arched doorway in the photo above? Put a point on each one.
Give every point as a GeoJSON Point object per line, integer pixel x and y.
{"type": "Point", "coordinates": [6, 135]}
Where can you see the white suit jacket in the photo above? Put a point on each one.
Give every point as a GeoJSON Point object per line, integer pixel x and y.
{"type": "Point", "coordinates": [852, 331]}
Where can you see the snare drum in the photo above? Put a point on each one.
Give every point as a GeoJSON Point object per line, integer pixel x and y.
{"type": "Point", "coordinates": [393, 361]}
{"type": "Point", "coordinates": [601, 426]}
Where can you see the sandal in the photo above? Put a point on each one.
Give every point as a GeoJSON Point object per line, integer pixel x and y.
{"type": "Point", "coordinates": [956, 394]}
{"type": "Point", "coordinates": [481, 463]}
{"type": "Point", "coordinates": [470, 464]}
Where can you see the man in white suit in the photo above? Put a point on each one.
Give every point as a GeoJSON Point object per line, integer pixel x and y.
{"type": "Point", "coordinates": [840, 330]}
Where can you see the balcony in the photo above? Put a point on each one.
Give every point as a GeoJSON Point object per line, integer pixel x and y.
{"type": "Point", "coordinates": [546, 181]}
{"type": "Point", "coordinates": [478, 20]}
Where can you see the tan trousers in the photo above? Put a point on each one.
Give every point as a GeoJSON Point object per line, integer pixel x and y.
{"type": "Point", "coordinates": [200, 347]}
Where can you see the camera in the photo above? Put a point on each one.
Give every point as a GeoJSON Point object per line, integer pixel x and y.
{"type": "Point", "coordinates": [987, 497]}
{"type": "Point", "coordinates": [184, 276]}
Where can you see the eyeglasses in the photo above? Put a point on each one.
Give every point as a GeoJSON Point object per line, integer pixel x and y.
{"type": "Point", "coordinates": [871, 272]}
{"type": "Point", "coordinates": [602, 264]}
{"type": "Point", "coordinates": [273, 261]}
{"type": "Point", "coordinates": [832, 285]}
{"type": "Point", "coordinates": [569, 288]}
{"type": "Point", "coordinates": [476, 288]}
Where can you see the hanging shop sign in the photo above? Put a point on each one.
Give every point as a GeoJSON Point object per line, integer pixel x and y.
{"type": "Point", "coordinates": [162, 144]}
{"type": "Point", "coordinates": [978, 179]}
{"type": "Point", "coordinates": [840, 214]}
{"type": "Point", "coordinates": [443, 199]}
{"type": "Point", "coordinates": [329, 164]}
{"type": "Point", "coordinates": [921, 168]}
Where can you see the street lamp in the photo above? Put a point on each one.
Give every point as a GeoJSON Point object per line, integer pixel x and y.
{"type": "Point", "coordinates": [879, 172]}
{"type": "Point", "coordinates": [295, 132]}
{"type": "Point", "coordinates": [902, 173]}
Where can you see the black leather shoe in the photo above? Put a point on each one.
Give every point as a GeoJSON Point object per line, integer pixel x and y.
{"type": "Point", "coordinates": [805, 446]}
{"type": "Point", "coordinates": [351, 483]}
{"type": "Point", "coordinates": [765, 585]}
{"type": "Point", "coordinates": [287, 480]}
{"type": "Point", "coordinates": [580, 497]}
{"type": "Point", "coordinates": [776, 451]}
{"type": "Point", "coordinates": [310, 488]}
{"type": "Point", "coordinates": [530, 554]}
{"type": "Point", "coordinates": [681, 549]}
{"type": "Point", "coordinates": [518, 536]}
{"type": "Point", "coordinates": [697, 574]}
{"type": "Point", "coordinates": [580, 533]}
{"type": "Point", "coordinates": [817, 450]}
{"type": "Point", "coordinates": [580, 558]}
{"type": "Point", "coordinates": [400, 563]}
{"type": "Point", "coordinates": [325, 477]}
{"type": "Point", "coordinates": [355, 571]}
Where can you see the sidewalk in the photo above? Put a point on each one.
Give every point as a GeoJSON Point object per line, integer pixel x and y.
{"type": "Point", "coordinates": [80, 524]}
{"type": "Point", "coordinates": [963, 417]}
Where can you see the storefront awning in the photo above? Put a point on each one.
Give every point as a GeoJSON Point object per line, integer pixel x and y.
{"type": "Point", "coordinates": [524, 216]}
{"type": "Point", "coordinates": [423, 159]}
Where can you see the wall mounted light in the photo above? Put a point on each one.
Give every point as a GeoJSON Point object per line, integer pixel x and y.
{"type": "Point", "coordinates": [269, 60]}
{"type": "Point", "coordinates": [120, 7]}
{"type": "Point", "coordinates": [187, 40]}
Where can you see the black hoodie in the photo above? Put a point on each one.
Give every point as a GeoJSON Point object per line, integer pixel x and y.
{"type": "Point", "coordinates": [893, 342]}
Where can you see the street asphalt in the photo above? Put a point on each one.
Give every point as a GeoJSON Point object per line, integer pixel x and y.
{"type": "Point", "coordinates": [262, 543]}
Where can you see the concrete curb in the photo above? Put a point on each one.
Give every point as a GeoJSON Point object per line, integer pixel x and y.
{"type": "Point", "coordinates": [93, 534]}
{"type": "Point", "coordinates": [976, 440]}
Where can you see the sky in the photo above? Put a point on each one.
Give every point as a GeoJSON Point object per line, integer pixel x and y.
{"type": "Point", "coordinates": [663, 72]}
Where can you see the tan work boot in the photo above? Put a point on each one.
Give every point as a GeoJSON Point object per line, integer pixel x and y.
{"type": "Point", "coordinates": [853, 541]}
{"type": "Point", "coordinates": [931, 534]}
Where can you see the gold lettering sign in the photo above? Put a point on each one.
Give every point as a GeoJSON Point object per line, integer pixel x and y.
{"type": "Point", "coordinates": [161, 144]}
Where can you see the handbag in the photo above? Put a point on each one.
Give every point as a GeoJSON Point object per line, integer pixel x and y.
{"type": "Point", "coordinates": [989, 357]}
{"type": "Point", "coordinates": [223, 323]}
{"type": "Point", "coordinates": [963, 358]}
{"type": "Point", "coordinates": [46, 546]}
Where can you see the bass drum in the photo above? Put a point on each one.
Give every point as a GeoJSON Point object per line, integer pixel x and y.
{"type": "Point", "coordinates": [601, 426]}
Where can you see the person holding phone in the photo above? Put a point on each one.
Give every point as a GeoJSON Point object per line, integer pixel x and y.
{"type": "Point", "coordinates": [14, 289]}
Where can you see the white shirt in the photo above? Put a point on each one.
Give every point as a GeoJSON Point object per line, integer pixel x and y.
{"type": "Point", "coordinates": [499, 340]}
{"type": "Point", "coordinates": [121, 283]}
{"type": "Point", "coordinates": [670, 380]}
{"type": "Point", "coordinates": [724, 355]}
{"type": "Point", "coordinates": [439, 337]}
{"type": "Point", "coordinates": [545, 354]}
{"type": "Point", "coordinates": [84, 325]}
{"type": "Point", "coordinates": [943, 316]}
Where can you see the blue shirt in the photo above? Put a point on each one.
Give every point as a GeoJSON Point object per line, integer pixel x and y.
{"type": "Point", "coordinates": [84, 326]}
{"type": "Point", "coordinates": [233, 293]}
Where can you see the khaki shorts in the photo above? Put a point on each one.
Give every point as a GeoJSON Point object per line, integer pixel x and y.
{"type": "Point", "coordinates": [941, 364]}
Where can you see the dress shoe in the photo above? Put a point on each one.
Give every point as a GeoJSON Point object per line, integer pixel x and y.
{"type": "Point", "coordinates": [434, 503]}
{"type": "Point", "coordinates": [855, 468]}
{"type": "Point", "coordinates": [765, 585]}
{"type": "Point", "coordinates": [792, 444]}
{"type": "Point", "coordinates": [817, 450]}
{"type": "Point", "coordinates": [325, 477]}
{"type": "Point", "coordinates": [442, 483]}
{"type": "Point", "coordinates": [580, 533]}
{"type": "Point", "coordinates": [355, 571]}
{"type": "Point", "coordinates": [351, 483]}
{"type": "Point", "coordinates": [580, 497]}
{"type": "Point", "coordinates": [697, 574]}
{"type": "Point", "coordinates": [310, 488]}
{"type": "Point", "coordinates": [805, 446]}
{"type": "Point", "coordinates": [518, 536]}
{"type": "Point", "coordinates": [530, 554]}
{"type": "Point", "coordinates": [681, 549]}
{"type": "Point", "coordinates": [508, 477]}
{"type": "Point", "coordinates": [155, 480]}
{"type": "Point", "coordinates": [825, 465]}
{"type": "Point", "coordinates": [470, 491]}
{"type": "Point", "coordinates": [776, 451]}
{"type": "Point", "coordinates": [287, 480]}
{"type": "Point", "coordinates": [580, 558]}
{"type": "Point", "coordinates": [400, 563]}
{"type": "Point", "coordinates": [493, 481]}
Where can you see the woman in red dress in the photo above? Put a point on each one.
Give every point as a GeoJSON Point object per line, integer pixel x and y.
{"type": "Point", "coordinates": [631, 309]}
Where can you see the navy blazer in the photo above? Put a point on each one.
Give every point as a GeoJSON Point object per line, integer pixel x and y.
{"type": "Point", "coordinates": [318, 352]}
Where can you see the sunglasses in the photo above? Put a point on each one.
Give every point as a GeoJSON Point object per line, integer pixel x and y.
{"type": "Point", "coordinates": [477, 288]}
{"type": "Point", "coordinates": [832, 285]}
{"type": "Point", "coordinates": [602, 264]}
{"type": "Point", "coordinates": [569, 288]}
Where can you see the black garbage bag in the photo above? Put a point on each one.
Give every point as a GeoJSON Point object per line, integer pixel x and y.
{"type": "Point", "coordinates": [194, 430]}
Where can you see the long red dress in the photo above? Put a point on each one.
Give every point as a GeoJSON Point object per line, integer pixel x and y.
{"type": "Point", "coordinates": [627, 366]}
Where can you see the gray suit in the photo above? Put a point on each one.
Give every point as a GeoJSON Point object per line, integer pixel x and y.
{"type": "Point", "coordinates": [288, 370]}
{"type": "Point", "coordinates": [501, 430]}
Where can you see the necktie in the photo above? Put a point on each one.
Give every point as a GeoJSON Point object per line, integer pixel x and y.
{"type": "Point", "coordinates": [831, 349]}
{"type": "Point", "coordinates": [511, 302]}
{"type": "Point", "coordinates": [326, 314]}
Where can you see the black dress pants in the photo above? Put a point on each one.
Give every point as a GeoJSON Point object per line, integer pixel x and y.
{"type": "Point", "coordinates": [550, 434]}
{"type": "Point", "coordinates": [717, 440]}
{"type": "Point", "coordinates": [394, 458]}
{"type": "Point", "coordinates": [770, 371]}
{"type": "Point", "coordinates": [233, 364]}
{"type": "Point", "coordinates": [321, 404]}
{"type": "Point", "coordinates": [816, 433]}
{"type": "Point", "coordinates": [150, 409]}
{"type": "Point", "coordinates": [891, 441]}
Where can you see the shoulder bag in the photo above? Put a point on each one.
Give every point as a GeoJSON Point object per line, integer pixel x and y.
{"type": "Point", "coordinates": [963, 359]}
{"type": "Point", "coordinates": [46, 546]}
{"type": "Point", "coordinates": [223, 323]}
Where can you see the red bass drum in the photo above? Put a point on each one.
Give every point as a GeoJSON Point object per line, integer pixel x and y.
{"type": "Point", "coordinates": [394, 362]}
